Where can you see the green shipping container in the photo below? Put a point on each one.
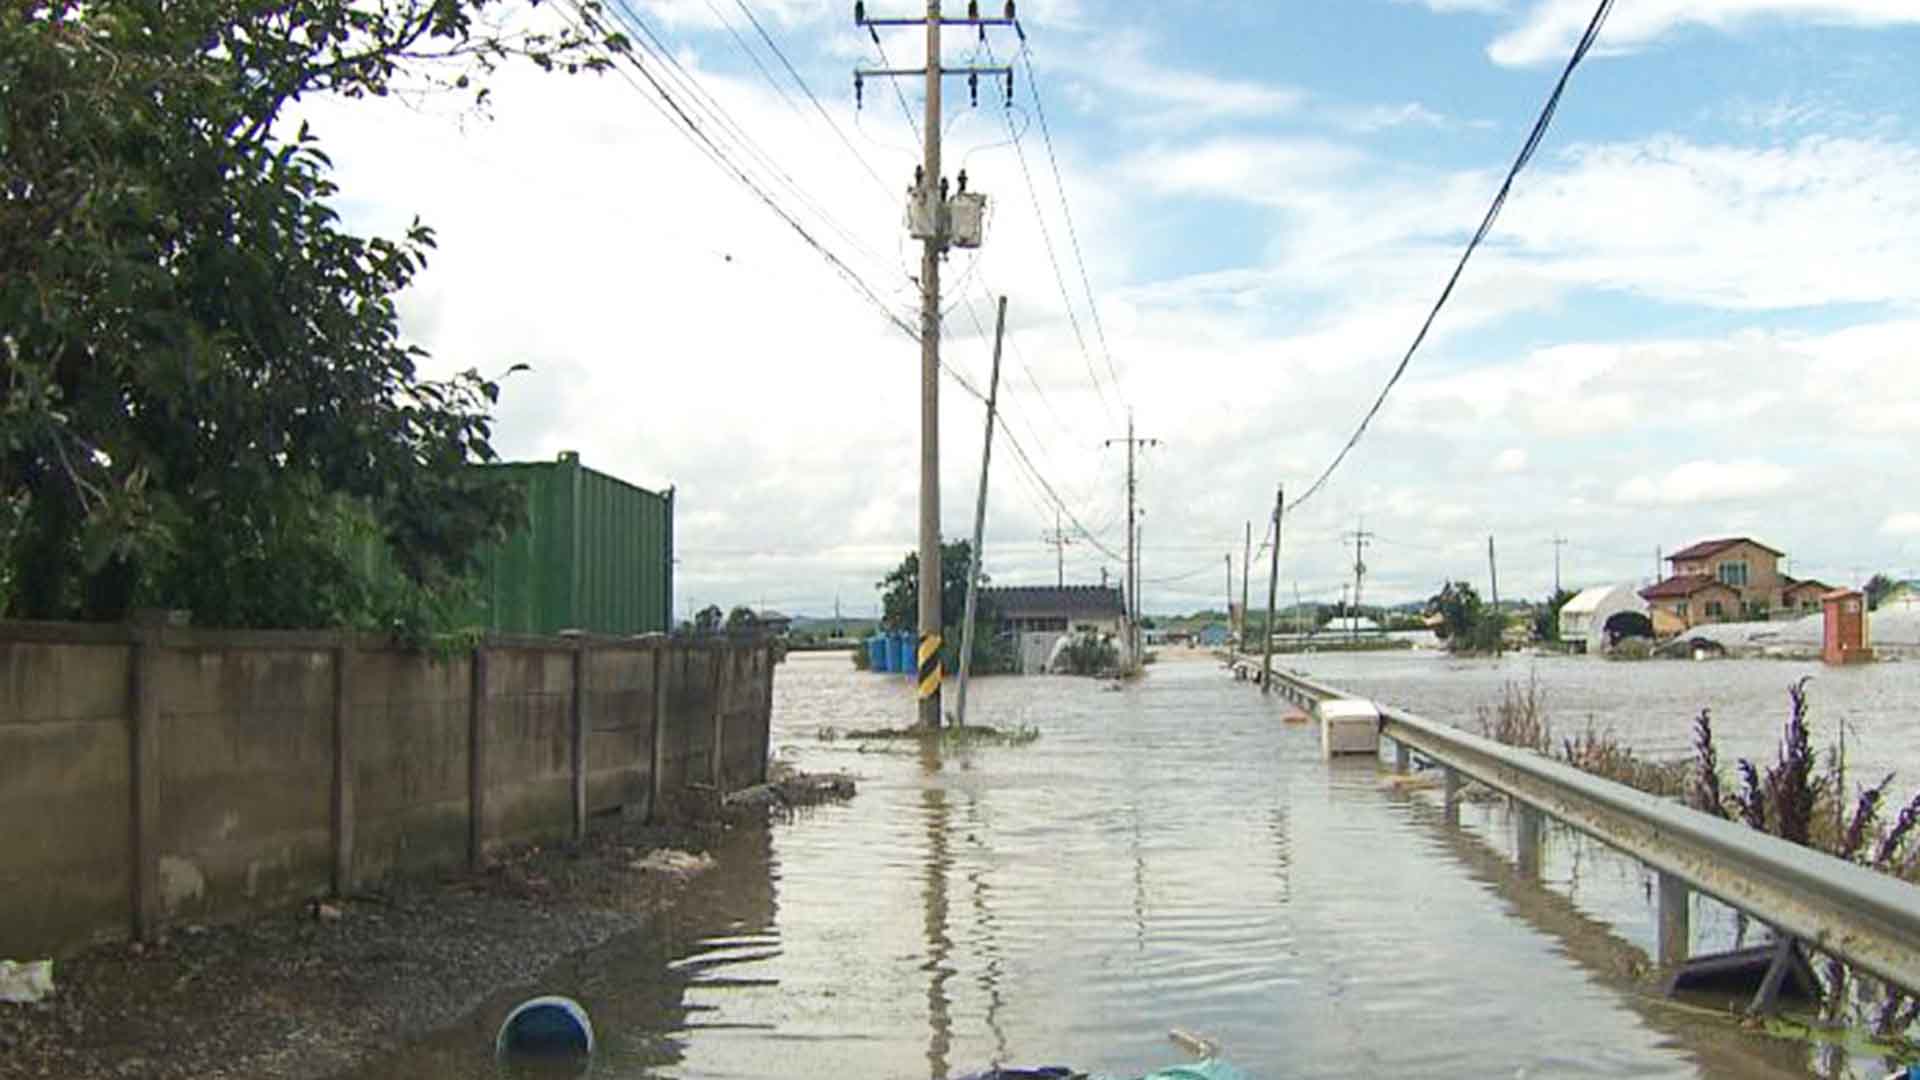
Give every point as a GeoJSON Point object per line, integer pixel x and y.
{"type": "Point", "coordinates": [596, 554]}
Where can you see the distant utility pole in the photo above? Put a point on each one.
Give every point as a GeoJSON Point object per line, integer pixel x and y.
{"type": "Point", "coordinates": [980, 519]}
{"type": "Point", "coordinates": [1361, 540]}
{"type": "Point", "coordinates": [1229, 589]}
{"type": "Point", "coordinates": [1273, 584]}
{"type": "Point", "coordinates": [1558, 543]}
{"type": "Point", "coordinates": [1133, 631]}
{"type": "Point", "coordinates": [1658, 563]}
{"type": "Point", "coordinates": [1246, 575]}
{"type": "Point", "coordinates": [938, 221]}
{"type": "Point", "coordinates": [1493, 582]}
{"type": "Point", "coordinates": [1059, 540]}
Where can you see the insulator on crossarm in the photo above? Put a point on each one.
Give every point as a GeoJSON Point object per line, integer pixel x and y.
{"type": "Point", "coordinates": [859, 13]}
{"type": "Point", "coordinates": [859, 92]}
{"type": "Point", "coordinates": [973, 9]}
{"type": "Point", "coordinates": [963, 181]}
{"type": "Point", "coordinates": [943, 189]}
{"type": "Point", "coordinates": [919, 177]}
{"type": "Point", "coordinates": [973, 89]}
{"type": "Point", "coordinates": [1009, 86]}
{"type": "Point", "coordinates": [1010, 14]}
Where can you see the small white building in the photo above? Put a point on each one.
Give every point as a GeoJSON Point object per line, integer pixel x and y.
{"type": "Point", "coordinates": [1583, 620]}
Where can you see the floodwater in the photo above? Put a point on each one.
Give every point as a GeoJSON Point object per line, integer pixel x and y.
{"type": "Point", "coordinates": [1167, 855]}
{"type": "Point", "coordinates": [1651, 704]}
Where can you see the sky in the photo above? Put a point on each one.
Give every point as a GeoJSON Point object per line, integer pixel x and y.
{"type": "Point", "coordinates": [1697, 316]}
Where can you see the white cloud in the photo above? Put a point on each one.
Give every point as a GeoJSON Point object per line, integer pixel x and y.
{"type": "Point", "coordinates": [1511, 460]}
{"type": "Point", "coordinates": [1706, 482]}
{"type": "Point", "coordinates": [1904, 523]}
{"type": "Point", "coordinates": [1446, 7]}
{"type": "Point", "coordinates": [1547, 32]}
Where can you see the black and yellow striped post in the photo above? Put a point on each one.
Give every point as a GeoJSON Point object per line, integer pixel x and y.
{"type": "Point", "coordinates": [931, 670]}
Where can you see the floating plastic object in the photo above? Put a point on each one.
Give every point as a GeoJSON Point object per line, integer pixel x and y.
{"type": "Point", "coordinates": [25, 983]}
{"type": "Point", "coordinates": [550, 1036]}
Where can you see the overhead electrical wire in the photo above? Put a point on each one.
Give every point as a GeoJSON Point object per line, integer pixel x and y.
{"type": "Point", "coordinates": [1066, 212]}
{"type": "Point", "coordinates": [677, 117]}
{"type": "Point", "coordinates": [1532, 144]}
{"type": "Point", "coordinates": [747, 10]}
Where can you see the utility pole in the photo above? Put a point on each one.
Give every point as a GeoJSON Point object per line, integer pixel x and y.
{"type": "Point", "coordinates": [1273, 584]}
{"type": "Point", "coordinates": [937, 221]}
{"type": "Point", "coordinates": [1133, 629]}
{"type": "Point", "coordinates": [980, 519]}
{"type": "Point", "coordinates": [1229, 594]}
{"type": "Point", "coordinates": [1558, 543]}
{"type": "Point", "coordinates": [1246, 575]}
{"type": "Point", "coordinates": [1658, 574]}
{"type": "Point", "coordinates": [1493, 582]}
{"type": "Point", "coordinates": [1059, 540]}
{"type": "Point", "coordinates": [1361, 539]}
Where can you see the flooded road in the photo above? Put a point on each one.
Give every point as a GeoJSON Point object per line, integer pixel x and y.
{"type": "Point", "coordinates": [1168, 855]}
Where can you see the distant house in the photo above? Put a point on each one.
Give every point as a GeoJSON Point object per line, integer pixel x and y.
{"type": "Point", "coordinates": [1592, 621]}
{"type": "Point", "coordinates": [1727, 580]}
{"type": "Point", "coordinates": [1046, 608]}
{"type": "Point", "coordinates": [1215, 635]}
{"type": "Point", "coordinates": [1802, 597]}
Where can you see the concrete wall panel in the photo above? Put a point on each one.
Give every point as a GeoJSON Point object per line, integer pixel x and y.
{"type": "Point", "coordinates": [65, 853]}
{"type": "Point", "coordinates": [409, 761]}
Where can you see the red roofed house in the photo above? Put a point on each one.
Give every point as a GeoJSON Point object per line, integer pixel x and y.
{"type": "Point", "coordinates": [1723, 581]}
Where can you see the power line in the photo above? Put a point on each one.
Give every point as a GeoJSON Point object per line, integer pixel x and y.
{"type": "Point", "coordinates": [747, 10]}
{"type": "Point", "coordinates": [1066, 212]}
{"type": "Point", "coordinates": [1534, 138]}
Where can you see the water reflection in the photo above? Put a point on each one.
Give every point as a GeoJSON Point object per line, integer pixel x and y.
{"type": "Point", "coordinates": [1169, 856]}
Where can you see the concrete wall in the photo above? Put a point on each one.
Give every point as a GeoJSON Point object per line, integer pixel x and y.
{"type": "Point", "coordinates": [153, 776]}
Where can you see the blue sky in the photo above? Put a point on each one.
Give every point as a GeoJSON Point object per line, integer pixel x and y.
{"type": "Point", "coordinates": [1697, 317]}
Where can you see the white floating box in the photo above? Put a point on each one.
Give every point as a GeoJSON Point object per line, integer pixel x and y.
{"type": "Point", "coordinates": [1348, 726]}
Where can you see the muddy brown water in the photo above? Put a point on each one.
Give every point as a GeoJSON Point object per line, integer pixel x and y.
{"type": "Point", "coordinates": [1167, 855]}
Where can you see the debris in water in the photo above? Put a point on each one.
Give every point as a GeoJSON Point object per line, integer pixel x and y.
{"type": "Point", "coordinates": [25, 983]}
{"type": "Point", "coordinates": [675, 864]}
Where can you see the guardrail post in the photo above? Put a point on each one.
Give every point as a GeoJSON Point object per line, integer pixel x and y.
{"type": "Point", "coordinates": [1454, 782]}
{"type": "Point", "coordinates": [1675, 921]}
{"type": "Point", "coordinates": [1528, 833]}
{"type": "Point", "coordinates": [1402, 757]}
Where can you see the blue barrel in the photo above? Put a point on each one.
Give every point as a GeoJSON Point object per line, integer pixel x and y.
{"type": "Point", "coordinates": [877, 653]}
{"type": "Point", "coordinates": [900, 654]}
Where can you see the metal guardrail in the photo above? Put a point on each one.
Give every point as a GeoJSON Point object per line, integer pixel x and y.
{"type": "Point", "coordinates": [1869, 919]}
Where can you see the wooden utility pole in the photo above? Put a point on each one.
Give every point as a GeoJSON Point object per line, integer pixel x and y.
{"type": "Point", "coordinates": [1493, 582]}
{"type": "Point", "coordinates": [930, 221]}
{"type": "Point", "coordinates": [1273, 583]}
{"type": "Point", "coordinates": [980, 520]}
{"type": "Point", "coordinates": [1558, 543]}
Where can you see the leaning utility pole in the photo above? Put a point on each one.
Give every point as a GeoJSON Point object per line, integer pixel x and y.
{"type": "Point", "coordinates": [1558, 543]}
{"type": "Point", "coordinates": [1273, 583]}
{"type": "Point", "coordinates": [937, 221]}
{"type": "Point", "coordinates": [1133, 603]}
{"type": "Point", "coordinates": [980, 519]}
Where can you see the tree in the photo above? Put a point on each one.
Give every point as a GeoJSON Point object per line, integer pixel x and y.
{"type": "Point", "coordinates": [900, 597]}
{"type": "Point", "coordinates": [708, 622]}
{"type": "Point", "coordinates": [1546, 617]}
{"type": "Point", "coordinates": [1466, 624]}
{"type": "Point", "coordinates": [207, 402]}
{"type": "Point", "coordinates": [1877, 588]}
{"type": "Point", "coordinates": [742, 620]}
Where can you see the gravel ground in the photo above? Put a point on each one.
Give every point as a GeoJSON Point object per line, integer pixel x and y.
{"type": "Point", "coordinates": [312, 992]}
